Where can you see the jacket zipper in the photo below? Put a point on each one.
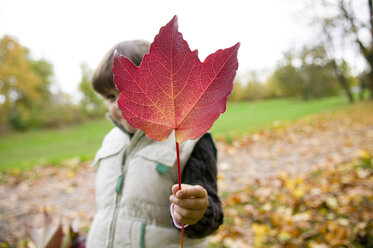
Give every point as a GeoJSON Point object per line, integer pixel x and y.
{"type": "Point", "coordinates": [118, 195]}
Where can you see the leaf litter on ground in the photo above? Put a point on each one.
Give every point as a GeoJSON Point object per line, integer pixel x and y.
{"type": "Point", "coordinates": [298, 184]}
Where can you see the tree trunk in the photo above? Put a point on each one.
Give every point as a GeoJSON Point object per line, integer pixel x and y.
{"type": "Point", "coordinates": [365, 49]}
{"type": "Point", "coordinates": [342, 81]}
{"type": "Point", "coordinates": [362, 86]}
{"type": "Point", "coordinates": [370, 84]}
{"type": "Point", "coordinates": [347, 89]}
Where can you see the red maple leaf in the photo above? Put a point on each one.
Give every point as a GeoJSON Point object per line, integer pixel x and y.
{"type": "Point", "coordinates": [172, 88]}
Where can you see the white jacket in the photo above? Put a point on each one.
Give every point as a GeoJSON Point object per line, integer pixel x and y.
{"type": "Point", "coordinates": [133, 185]}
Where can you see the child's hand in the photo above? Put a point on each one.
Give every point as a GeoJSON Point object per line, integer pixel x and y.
{"type": "Point", "coordinates": [190, 203]}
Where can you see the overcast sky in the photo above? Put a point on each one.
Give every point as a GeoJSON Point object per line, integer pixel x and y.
{"type": "Point", "coordinates": [70, 32]}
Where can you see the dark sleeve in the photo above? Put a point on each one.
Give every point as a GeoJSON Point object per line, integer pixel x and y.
{"type": "Point", "coordinates": [201, 170]}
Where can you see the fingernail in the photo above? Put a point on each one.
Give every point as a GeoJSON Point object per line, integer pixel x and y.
{"type": "Point", "coordinates": [179, 194]}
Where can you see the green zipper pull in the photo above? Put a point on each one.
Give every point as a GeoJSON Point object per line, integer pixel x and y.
{"type": "Point", "coordinates": [118, 188]}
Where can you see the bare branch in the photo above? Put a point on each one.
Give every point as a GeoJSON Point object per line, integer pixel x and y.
{"type": "Point", "coordinates": [349, 17]}
{"type": "Point", "coordinates": [370, 7]}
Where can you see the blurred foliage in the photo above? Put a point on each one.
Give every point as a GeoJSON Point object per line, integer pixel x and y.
{"type": "Point", "coordinates": [255, 90]}
{"type": "Point", "coordinates": [237, 93]}
{"type": "Point", "coordinates": [307, 73]}
{"type": "Point", "coordinates": [251, 90]}
{"type": "Point", "coordinates": [329, 207]}
{"type": "Point", "coordinates": [26, 99]}
{"type": "Point", "coordinates": [346, 25]}
{"type": "Point", "coordinates": [21, 84]}
{"type": "Point", "coordinates": [91, 104]}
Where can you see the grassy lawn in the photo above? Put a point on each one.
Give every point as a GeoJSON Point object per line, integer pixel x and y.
{"type": "Point", "coordinates": [24, 150]}
{"type": "Point", "coordinates": [245, 117]}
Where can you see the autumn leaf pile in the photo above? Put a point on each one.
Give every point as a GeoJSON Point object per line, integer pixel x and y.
{"type": "Point", "coordinates": [329, 207]}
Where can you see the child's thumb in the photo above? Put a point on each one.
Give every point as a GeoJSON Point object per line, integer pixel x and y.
{"type": "Point", "coordinates": [175, 188]}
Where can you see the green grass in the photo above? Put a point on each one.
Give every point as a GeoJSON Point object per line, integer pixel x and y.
{"type": "Point", "coordinates": [40, 147]}
{"type": "Point", "coordinates": [247, 117]}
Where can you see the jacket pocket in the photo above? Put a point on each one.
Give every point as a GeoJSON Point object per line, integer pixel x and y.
{"type": "Point", "coordinates": [132, 234]}
{"type": "Point", "coordinates": [163, 158]}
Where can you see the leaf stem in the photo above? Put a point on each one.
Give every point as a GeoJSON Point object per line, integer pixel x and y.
{"type": "Point", "coordinates": [178, 164]}
{"type": "Point", "coordinates": [179, 180]}
{"type": "Point", "coordinates": [181, 235]}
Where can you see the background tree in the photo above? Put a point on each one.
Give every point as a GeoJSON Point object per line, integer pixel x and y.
{"type": "Point", "coordinates": [26, 100]}
{"type": "Point", "coordinates": [363, 79]}
{"type": "Point", "coordinates": [273, 88]}
{"type": "Point", "coordinates": [349, 22]}
{"type": "Point", "coordinates": [339, 68]}
{"type": "Point", "coordinates": [254, 90]}
{"type": "Point", "coordinates": [22, 86]}
{"type": "Point", "coordinates": [287, 77]}
{"type": "Point", "coordinates": [45, 71]}
{"type": "Point", "coordinates": [238, 92]}
{"type": "Point", "coordinates": [317, 72]}
{"type": "Point", "coordinates": [306, 73]}
{"type": "Point", "coordinates": [92, 104]}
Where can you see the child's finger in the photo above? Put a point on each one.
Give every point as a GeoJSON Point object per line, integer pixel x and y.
{"type": "Point", "coordinates": [183, 220]}
{"type": "Point", "coordinates": [175, 188]}
{"type": "Point", "coordinates": [194, 191]}
{"type": "Point", "coordinates": [190, 203]}
{"type": "Point", "coordinates": [187, 213]}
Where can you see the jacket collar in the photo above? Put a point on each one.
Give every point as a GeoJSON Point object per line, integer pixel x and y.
{"type": "Point", "coordinates": [111, 119]}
